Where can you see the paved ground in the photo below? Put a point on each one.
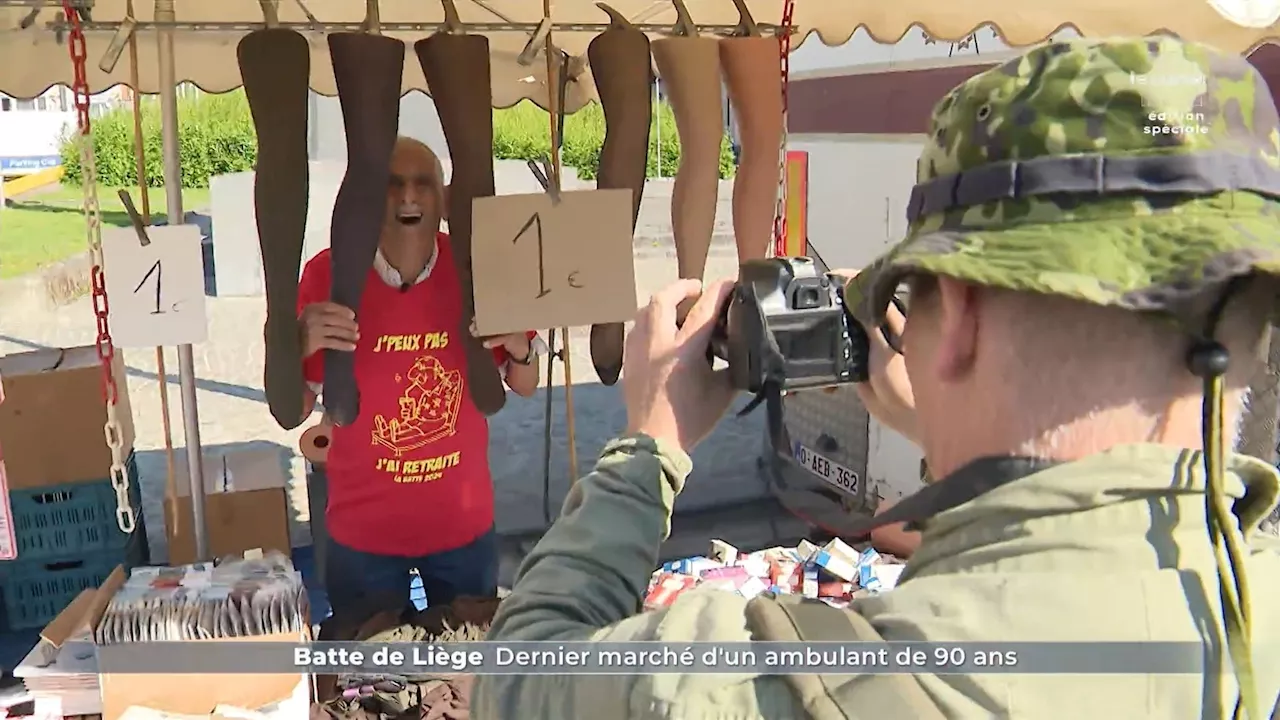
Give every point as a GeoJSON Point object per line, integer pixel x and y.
{"type": "Point", "coordinates": [233, 413]}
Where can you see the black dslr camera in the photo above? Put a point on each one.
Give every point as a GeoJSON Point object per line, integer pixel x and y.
{"type": "Point", "coordinates": [785, 324]}
{"type": "Point", "coordinates": [785, 327]}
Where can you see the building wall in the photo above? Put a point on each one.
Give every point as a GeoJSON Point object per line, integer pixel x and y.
{"type": "Point", "coordinates": [858, 191]}
{"type": "Point", "coordinates": [30, 140]}
{"type": "Point", "coordinates": [418, 119]}
{"type": "Point", "coordinates": [31, 131]}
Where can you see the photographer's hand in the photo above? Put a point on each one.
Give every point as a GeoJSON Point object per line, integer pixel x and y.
{"type": "Point", "coordinates": [887, 395]}
{"type": "Point", "coordinates": [671, 391]}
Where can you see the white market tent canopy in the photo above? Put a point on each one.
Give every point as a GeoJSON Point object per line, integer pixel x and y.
{"type": "Point", "coordinates": [33, 53]}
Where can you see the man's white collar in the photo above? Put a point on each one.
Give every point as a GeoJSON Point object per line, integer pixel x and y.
{"type": "Point", "coordinates": [391, 276]}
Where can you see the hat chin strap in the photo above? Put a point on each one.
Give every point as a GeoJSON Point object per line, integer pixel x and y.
{"type": "Point", "coordinates": [1209, 360]}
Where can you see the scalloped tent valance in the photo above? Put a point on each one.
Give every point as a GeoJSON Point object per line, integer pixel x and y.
{"type": "Point", "coordinates": [35, 57]}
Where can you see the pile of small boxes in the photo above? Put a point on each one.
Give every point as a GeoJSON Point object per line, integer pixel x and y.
{"type": "Point", "coordinates": [834, 573]}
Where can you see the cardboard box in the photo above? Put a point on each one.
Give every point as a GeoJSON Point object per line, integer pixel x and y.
{"type": "Point", "coordinates": [182, 694]}
{"type": "Point", "coordinates": [200, 697]}
{"type": "Point", "coordinates": [52, 418]}
{"type": "Point", "coordinates": [246, 505]}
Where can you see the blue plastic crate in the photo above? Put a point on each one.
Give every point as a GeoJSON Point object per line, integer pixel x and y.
{"type": "Point", "coordinates": [70, 519]}
{"type": "Point", "coordinates": [35, 591]}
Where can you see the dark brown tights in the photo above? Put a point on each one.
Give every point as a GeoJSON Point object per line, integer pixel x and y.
{"type": "Point", "coordinates": [620, 62]}
{"type": "Point", "coordinates": [457, 71]}
{"type": "Point", "coordinates": [368, 70]}
{"type": "Point", "coordinates": [275, 66]}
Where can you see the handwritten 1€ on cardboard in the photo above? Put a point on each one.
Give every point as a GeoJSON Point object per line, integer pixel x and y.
{"type": "Point", "coordinates": [541, 264]}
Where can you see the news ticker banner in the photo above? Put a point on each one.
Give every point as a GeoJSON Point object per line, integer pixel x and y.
{"type": "Point", "coordinates": [647, 658]}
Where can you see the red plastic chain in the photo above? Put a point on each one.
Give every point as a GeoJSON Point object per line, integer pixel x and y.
{"type": "Point", "coordinates": [784, 67]}
{"type": "Point", "coordinates": [97, 280]}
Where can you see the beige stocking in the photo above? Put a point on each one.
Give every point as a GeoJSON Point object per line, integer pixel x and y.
{"type": "Point", "coordinates": [755, 89]}
{"type": "Point", "coordinates": [690, 69]}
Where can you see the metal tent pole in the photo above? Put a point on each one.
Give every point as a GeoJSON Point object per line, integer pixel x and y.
{"type": "Point", "coordinates": [173, 196]}
{"type": "Point", "coordinates": [657, 114]}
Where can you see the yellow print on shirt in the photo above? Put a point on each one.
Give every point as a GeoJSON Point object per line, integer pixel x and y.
{"type": "Point", "coordinates": [429, 406]}
{"type": "Point", "coordinates": [419, 471]}
{"type": "Point", "coordinates": [412, 343]}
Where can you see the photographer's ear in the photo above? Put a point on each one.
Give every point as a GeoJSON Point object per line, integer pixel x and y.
{"type": "Point", "coordinates": [957, 305]}
{"type": "Point", "coordinates": [444, 202]}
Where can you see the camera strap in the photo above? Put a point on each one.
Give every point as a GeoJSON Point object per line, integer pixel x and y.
{"type": "Point", "coordinates": [969, 482]}
{"type": "Point", "coordinates": [773, 410]}
{"type": "Point", "coordinates": [774, 372]}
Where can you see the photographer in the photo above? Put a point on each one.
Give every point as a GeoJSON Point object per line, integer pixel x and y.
{"type": "Point", "coordinates": [1088, 302]}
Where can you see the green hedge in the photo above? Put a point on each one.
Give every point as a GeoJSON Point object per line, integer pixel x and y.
{"type": "Point", "coordinates": [523, 133]}
{"type": "Point", "coordinates": [217, 137]}
{"type": "Point", "coordinates": [215, 133]}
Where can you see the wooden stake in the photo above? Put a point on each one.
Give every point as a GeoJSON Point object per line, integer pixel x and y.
{"type": "Point", "coordinates": [554, 110]}
{"type": "Point", "coordinates": [162, 377]}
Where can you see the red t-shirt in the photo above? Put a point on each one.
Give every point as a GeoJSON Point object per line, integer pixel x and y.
{"type": "Point", "coordinates": [410, 477]}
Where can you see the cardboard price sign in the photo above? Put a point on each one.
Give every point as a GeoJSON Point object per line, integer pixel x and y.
{"type": "Point", "coordinates": [540, 264]}
{"type": "Point", "coordinates": [156, 291]}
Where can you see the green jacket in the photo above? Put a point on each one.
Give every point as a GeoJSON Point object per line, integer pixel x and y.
{"type": "Point", "coordinates": [1109, 548]}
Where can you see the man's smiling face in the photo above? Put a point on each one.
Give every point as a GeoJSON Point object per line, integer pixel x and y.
{"type": "Point", "coordinates": [415, 194]}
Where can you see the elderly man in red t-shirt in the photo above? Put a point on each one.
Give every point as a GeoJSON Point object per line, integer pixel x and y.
{"type": "Point", "coordinates": [409, 484]}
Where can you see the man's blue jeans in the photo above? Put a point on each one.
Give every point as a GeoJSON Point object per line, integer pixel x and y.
{"type": "Point", "coordinates": [353, 577]}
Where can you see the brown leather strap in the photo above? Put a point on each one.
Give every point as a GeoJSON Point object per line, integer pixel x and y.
{"type": "Point", "coordinates": [831, 697]}
{"type": "Point", "coordinates": [969, 482]}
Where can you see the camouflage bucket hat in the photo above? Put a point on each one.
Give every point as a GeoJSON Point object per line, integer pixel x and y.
{"type": "Point", "coordinates": [1126, 172]}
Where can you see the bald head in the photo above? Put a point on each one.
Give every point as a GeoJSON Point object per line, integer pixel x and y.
{"type": "Point", "coordinates": [415, 194]}
{"type": "Point", "coordinates": [417, 153]}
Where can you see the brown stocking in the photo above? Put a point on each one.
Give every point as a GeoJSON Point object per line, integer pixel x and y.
{"type": "Point", "coordinates": [368, 70]}
{"type": "Point", "coordinates": [457, 70]}
{"type": "Point", "coordinates": [275, 65]}
{"type": "Point", "coordinates": [755, 89]}
{"type": "Point", "coordinates": [690, 70]}
{"type": "Point", "coordinates": [620, 62]}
